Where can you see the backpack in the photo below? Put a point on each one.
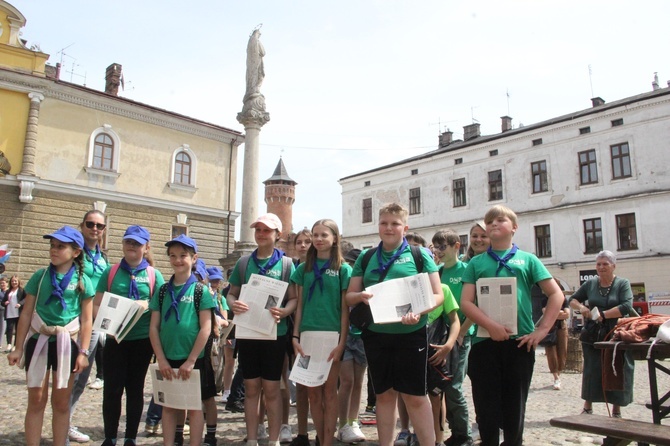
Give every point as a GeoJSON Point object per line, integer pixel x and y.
{"type": "Point", "coordinates": [360, 316]}
{"type": "Point", "coordinates": [151, 273]}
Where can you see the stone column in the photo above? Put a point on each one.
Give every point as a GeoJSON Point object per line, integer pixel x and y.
{"type": "Point", "coordinates": [27, 177]}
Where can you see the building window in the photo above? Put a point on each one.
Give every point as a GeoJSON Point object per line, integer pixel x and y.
{"type": "Point", "coordinates": [458, 161]}
{"type": "Point", "coordinates": [588, 171]}
{"type": "Point", "coordinates": [593, 235]}
{"type": "Point", "coordinates": [182, 169]}
{"type": "Point", "coordinates": [415, 171]}
{"type": "Point", "coordinates": [617, 122]}
{"type": "Point", "coordinates": [542, 241]}
{"type": "Point", "coordinates": [626, 232]}
{"type": "Point", "coordinates": [367, 210]}
{"type": "Point", "coordinates": [103, 152]}
{"type": "Point", "coordinates": [493, 152]}
{"type": "Point", "coordinates": [178, 230]}
{"type": "Point", "coordinates": [415, 201]}
{"type": "Point", "coordinates": [495, 185]}
{"type": "Point", "coordinates": [620, 161]}
{"type": "Point", "coordinates": [539, 174]}
{"type": "Point", "coordinates": [464, 245]}
{"type": "Point", "coordinates": [537, 142]}
{"type": "Point", "coordinates": [104, 148]}
{"type": "Point", "coordinates": [584, 130]}
{"type": "Point", "coordinates": [366, 184]}
{"type": "Point", "coordinates": [459, 192]}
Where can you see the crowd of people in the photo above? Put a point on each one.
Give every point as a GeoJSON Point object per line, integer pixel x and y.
{"type": "Point", "coordinates": [416, 367]}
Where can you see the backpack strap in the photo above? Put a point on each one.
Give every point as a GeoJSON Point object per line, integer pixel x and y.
{"type": "Point", "coordinates": [151, 273]}
{"type": "Point", "coordinates": [161, 297]}
{"type": "Point", "coordinates": [112, 273]}
{"type": "Point", "coordinates": [286, 264]}
{"type": "Point", "coordinates": [416, 255]}
{"type": "Point", "coordinates": [242, 266]}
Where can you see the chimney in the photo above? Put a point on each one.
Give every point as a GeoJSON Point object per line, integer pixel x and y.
{"type": "Point", "coordinates": [58, 71]}
{"type": "Point", "coordinates": [506, 123]}
{"type": "Point", "coordinates": [470, 131]}
{"type": "Point", "coordinates": [445, 139]}
{"type": "Point", "coordinates": [654, 83]}
{"type": "Point", "coordinates": [113, 79]}
{"type": "Point", "coordinates": [597, 101]}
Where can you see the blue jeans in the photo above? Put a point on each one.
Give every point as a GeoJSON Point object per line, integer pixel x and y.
{"type": "Point", "coordinates": [457, 406]}
{"type": "Point", "coordinates": [154, 412]}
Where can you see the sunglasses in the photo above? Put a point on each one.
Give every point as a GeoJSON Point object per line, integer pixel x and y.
{"type": "Point", "coordinates": [98, 226]}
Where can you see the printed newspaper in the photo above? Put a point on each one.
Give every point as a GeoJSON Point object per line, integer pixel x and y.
{"type": "Point", "coordinates": [312, 369]}
{"type": "Point", "coordinates": [176, 393]}
{"type": "Point", "coordinates": [393, 299]}
{"type": "Point", "coordinates": [496, 297]}
{"type": "Point", "coordinates": [118, 314]}
{"type": "Point", "coordinates": [260, 293]}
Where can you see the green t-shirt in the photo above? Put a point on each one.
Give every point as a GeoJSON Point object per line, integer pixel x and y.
{"type": "Point", "coordinates": [177, 338]}
{"type": "Point", "coordinates": [275, 272]}
{"type": "Point", "coordinates": [527, 269]}
{"type": "Point", "coordinates": [403, 267]}
{"type": "Point", "coordinates": [452, 278]}
{"type": "Point", "coordinates": [53, 313]}
{"type": "Point", "coordinates": [447, 306]}
{"type": "Point", "coordinates": [92, 273]}
{"type": "Point", "coordinates": [121, 285]}
{"type": "Point", "coordinates": [323, 312]}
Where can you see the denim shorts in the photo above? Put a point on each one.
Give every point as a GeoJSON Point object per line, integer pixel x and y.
{"type": "Point", "coordinates": [353, 349]}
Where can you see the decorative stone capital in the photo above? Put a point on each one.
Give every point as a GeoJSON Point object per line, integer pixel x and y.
{"type": "Point", "coordinates": [26, 186]}
{"type": "Point", "coordinates": [36, 97]}
{"type": "Point", "coordinates": [253, 113]}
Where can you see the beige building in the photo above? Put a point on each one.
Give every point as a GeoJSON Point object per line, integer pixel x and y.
{"type": "Point", "coordinates": [72, 149]}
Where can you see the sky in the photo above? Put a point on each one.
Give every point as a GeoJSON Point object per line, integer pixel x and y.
{"type": "Point", "coordinates": [351, 85]}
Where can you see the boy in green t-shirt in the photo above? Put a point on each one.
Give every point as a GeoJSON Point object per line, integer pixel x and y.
{"type": "Point", "coordinates": [501, 367]}
{"type": "Point", "coordinates": [397, 352]}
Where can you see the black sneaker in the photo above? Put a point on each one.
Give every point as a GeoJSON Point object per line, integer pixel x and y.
{"type": "Point", "coordinates": [300, 440]}
{"type": "Point", "coordinates": [209, 441]}
{"type": "Point", "coordinates": [235, 407]}
{"type": "Point", "coordinates": [107, 442]}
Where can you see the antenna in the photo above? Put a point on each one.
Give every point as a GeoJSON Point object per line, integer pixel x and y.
{"type": "Point", "coordinates": [472, 113]}
{"type": "Point", "coordinates": [507, 93]}
{"type": "Point", "coordinates": [439, 125]}
{"type": "Point", "coordinates": [591, 81]}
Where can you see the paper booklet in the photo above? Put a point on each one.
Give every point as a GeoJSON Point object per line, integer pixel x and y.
{"type": "Point", "coordinates": [260, 293]}
{"type": "Point", "coordinates": [312, 369]}
{"type": "Point", "coordinates": [496, 297]}
{"type": "Point", "coordinates": [118, 314]}
{"type": "Point", "coordinates": [178, 393]}
{"type": "Point", "coordinates": [395, 298]}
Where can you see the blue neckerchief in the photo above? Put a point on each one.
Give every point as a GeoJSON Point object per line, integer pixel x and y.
{"type": "Point", "coordinates": [318, 278]}
{"type": "Point", "coordinates": [502, 263]}
{"type": "Point", "coordinates": [133, 291]}
{"type": "Point", "coordinates": [176, 299]}
{"type": "Point", "coordinates": [383, 266]}
{"type": "Point", "coordinates": [94, 257]}
{"type": "Point", "coordinates": [59, 287]}
{"type": "Point", "coordinates": [276, 257]}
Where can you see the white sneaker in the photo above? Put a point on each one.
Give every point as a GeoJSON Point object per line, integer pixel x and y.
{"type": "Point", "coordinates": [285, 434]}
{"type": "Point", "coordinates": [350, 434]}
{"type": "Point", "coordinates": [557, 384]}
{"type": "Point", "coordinates": [226, 394]}
{"type": "Point", "coordinates": [262, 432]}
{"type": "Point", "coordinates": [97, 384]}
{"type": "Point", "coordinates": [77, 436]}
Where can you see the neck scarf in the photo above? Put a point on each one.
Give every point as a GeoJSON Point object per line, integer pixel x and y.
{"type": "Point", "coordinates": [502, 263]}
{"type": "Point", "coordinates": [174, 304]}
{"type": "Point", "coordinates": [318, 278]}
{"type": "Point", "coordinates": [133, 292]}
{"type": "Point", "coordinates": [94, 257]}
{"type": "Point", "coordinates": [276, 257]}
{"type": "Point", "coordinates": [59, 287]}
{"type": "Point", "coordinates": [383, 266]}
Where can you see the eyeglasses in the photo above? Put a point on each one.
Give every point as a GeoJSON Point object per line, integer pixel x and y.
{"type": "Point", "coordinates": [98, 226]}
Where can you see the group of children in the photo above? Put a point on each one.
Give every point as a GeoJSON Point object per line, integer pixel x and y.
{"type": "Point", "coordinates": [55, 328]}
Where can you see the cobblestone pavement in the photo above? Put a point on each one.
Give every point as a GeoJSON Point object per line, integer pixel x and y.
{"type": "Point", "coordinates": [543, 404]}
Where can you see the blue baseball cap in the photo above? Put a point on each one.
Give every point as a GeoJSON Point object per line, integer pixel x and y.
{"type": "Point", "coordinates": [137, 233]}
{"type": "Point", "coordinates": [214, 273]}
{"type": "Point", "coordinates": [68, 234]}
{"type": "Point", "coordinates": [184, 240]}
{"type": "Point", "coordinates": [201, 269]}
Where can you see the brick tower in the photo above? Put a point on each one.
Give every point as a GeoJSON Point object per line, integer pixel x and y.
{"type": "Point", "coordinates": [279, 197]}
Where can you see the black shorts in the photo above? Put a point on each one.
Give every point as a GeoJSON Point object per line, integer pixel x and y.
{"type": "Point", "coordinates": [207, 385]}
{"type": "Point", "coordinates": [262, 359]}
{"type": "Point", "coordinates": [52, 357]}
{"type": "Point", "coordinates": [397, 361]}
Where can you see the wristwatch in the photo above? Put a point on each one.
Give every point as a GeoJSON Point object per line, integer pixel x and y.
{"type": "Point", "coordinates": [83, 351]}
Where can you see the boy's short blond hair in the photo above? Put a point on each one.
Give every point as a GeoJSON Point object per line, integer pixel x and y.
{"type": "Point", "coordinates": [395, 209]}
{"type": "Point", "coordinates": [500, 210]}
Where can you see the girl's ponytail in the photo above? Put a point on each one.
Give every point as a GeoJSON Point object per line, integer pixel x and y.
{"type": "Point", "coordinates": [79, 262]}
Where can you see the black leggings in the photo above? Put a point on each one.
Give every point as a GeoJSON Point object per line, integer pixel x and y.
{"type": "Point", "coordinates": [12, 322]}
{"type": "Point", "coordinates": [125, 367]}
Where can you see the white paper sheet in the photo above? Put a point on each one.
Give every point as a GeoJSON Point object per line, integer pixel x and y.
{"type": "Point", "coordinates": [312, 369]}
{"type": "Point", "coordinates": [260, 293]}
{"type": "Point", "coordinates": [392, 299]}
{"type": "Point", "coordinates": [178, 393]}
{"type": "Point", "coordinates": [117, 315]}
{"type": "Point", "coordinates": [497, 298]}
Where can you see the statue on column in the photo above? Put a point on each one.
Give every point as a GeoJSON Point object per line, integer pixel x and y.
{"type": "Point", "coordinates": [253, 110]}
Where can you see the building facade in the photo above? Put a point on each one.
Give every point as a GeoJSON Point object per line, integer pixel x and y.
{"type": "Point", "coordinates": [583, 182]}
{"type": "Point", "coordinates": [72, 149]}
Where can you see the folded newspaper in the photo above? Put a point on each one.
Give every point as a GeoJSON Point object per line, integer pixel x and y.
{"type": "Point", "coordinates": [260, 293]}
{"type": "Point", "coordinates": [393, 299]}
{"type": "Point", "coordinates": [312, 369]}
{"type": "Point", "coordinates": [496, 297]}
{"type": "Point", "coordinates": [118, 314]}
{"type": "Point", "coordinates": [176, 393]}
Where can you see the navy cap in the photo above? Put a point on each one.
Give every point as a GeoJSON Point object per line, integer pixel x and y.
{"type": "Point", "coordinates": [201, 269]}
{"type": "Point", "coordinates": [68, 234]}
{"type": "Point", "coordinates": [137, 233]}
{"type": "Point", "coordinates": [214, 273]}
{"type": "Point", "coordinates": [184, 240]}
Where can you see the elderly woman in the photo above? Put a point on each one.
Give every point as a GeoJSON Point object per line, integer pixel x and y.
{"type": "Point", "coordinates": [613, 298]}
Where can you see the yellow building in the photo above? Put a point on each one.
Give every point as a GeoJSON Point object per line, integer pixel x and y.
{"type": "Point", "coordinates": [68, 149]}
